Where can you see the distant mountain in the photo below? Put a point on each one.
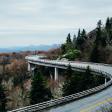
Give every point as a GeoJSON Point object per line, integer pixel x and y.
{"type": "Point", "coordinates": [29, 48]}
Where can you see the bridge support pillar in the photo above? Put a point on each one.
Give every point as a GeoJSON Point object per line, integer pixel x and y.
{"type": "Point", "coordinates": [29, 67]}
{"type": "Point", "coordinates": [105, 81]}
{"type": "Point", "coordinates": [56, 74]}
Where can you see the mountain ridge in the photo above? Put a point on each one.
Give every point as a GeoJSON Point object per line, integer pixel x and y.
{"type": "Point", "coordinates": [29, 48]}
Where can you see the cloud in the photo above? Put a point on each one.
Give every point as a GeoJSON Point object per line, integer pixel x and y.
{"type": "Point", "coordinates": [48, 19]}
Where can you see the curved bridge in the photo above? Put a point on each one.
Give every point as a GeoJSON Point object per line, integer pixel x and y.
{"type": "Point", "coordinates": [87, 104]}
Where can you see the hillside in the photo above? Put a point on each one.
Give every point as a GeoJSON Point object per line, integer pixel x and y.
{"type": "Point", "coordinates": [95, 46]}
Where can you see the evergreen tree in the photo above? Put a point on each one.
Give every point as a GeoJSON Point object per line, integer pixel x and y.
{"type": "Point", "coordinates": [2, 99]}
{"type": "Point", "coordinates": [74, 40]}
{"type": "Point", "coordinates": [83, 34]}
{"type": "Point", "coordinates": [100, 41]}
{"type": "Point", "coordinates": [88, 79]}
{"type": "Point", "coordinates": [81, 39]}
{"type": "Point", "coordinates": [99, 24]}
{"type": "Point", "coordinates": [79, 34]}
{"type": "Point", "coordinates": [69, 72]}
{"type": "Point", "coordinates": [68, 87]}
{"type": "Point", "coordinates": [69, 44]}
{"type": "Point", "coordinates": [100, 36]}
{"type": "Point", "coordinates": [79, 81]}
{"type": "Point", "coordinates": [107, 26]}
{"type": "Point", "coordinates": [72, 85]}
{"type": "Point", "coordinates": [111, 23]}
{"type": "Point", "coordinates": [78, 42]}
{"type": "Point", "coordinates": [63, 48]}
{"type": "Point", "coordinates": [103, 41]}
{"type": "Point", "coordinates": [94, 57]}
{"type": "Point", "coordinates": [39, 91]}
{"type": "Point", "coordinates": [68, 39]}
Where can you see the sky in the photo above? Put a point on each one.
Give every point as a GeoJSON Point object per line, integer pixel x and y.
{"type": "Point", "coordinates": [35, 22]}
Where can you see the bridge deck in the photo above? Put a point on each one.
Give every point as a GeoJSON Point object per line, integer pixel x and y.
{"type": "Point", "coordinates": [87, 104]}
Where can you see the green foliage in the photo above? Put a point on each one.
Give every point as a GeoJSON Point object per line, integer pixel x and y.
{"type": "Point", "coordinates": [100, 39]}
{"type": "Point", "coordinates": [19, 79]}
{"type": "Point", "coordinates": [81, 38]}
{"type": "Point", "coordinates": [68, 49]}
{"type": "Point", "coordinates": [95, 54]}
{"type": "Point", "coordinates": [72, 54]}
{"type": "Point", "coordinates": [79, 34]}
{"type": "Point", "coordinates": [69, 44]}
{"type": "Point", "coordinates": [74, 41]}
{"type": "Point", "coordinates": [78, 81]}
{"type": "Point", "coordinates": [108, 24]}
{"type": "Point", "coordinates": [108, 27]}
{"type": "Point", "coordinates": [99, 42]}
{"type": "Point", "coordinates": [63, 48]}
{"type": "Point", "coordinates": [99, 24]}
{"type": "Point", "coordinates": [90, 45]}
{"type": "Point", "coordinates": [83, 34]}
{"type": "Point", "coordinates": [72, 85]}
{"type": "Point", "coordinates": [69, 39]}
{"type": "Point", "coordinates": [87, 79]}
{"type": "Point", "coordinates": [39, 91]}
{"type": "Point", "coordinates": [69, 72]}
{"type": "Point", "coordinates": [2, 99]}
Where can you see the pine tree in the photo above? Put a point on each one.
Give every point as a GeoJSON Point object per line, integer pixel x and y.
{"type": "Point", "coordinates": [75, 82]}
{"type": "Point", "coordinates": [63, 48]}
{"type": "Point", "coordinates": [79, 81]}
{"type": "Point", "coordinates": [111, 23]}
{"type": "Point", "coordinates": [87, 80]}
{"type": "Point", "coordinates": [79, 34]}
{"type": "Point", "coordinates": [67, 90]}
{"type": "Point", "coordinates": [108, 25]}
{"type": "Point", "coordinates": [98, 36]}
{"type": "Point", "coordinates": [99, 42]}
{"type": "Point", "coordinates": [69, 44]}
{"type": "Point", "coordinates": [2, 99]}
{"type": "Point", "coordinates": [78, 40]}
{"type": "Point", "coordinates": [100, 39]}
{"type": "Point", "coordinates": [69, 72]}
{"type": "Point", "coordinates": [74, 40]}
{"type": "Point", "coordinates": [103, 41]}
{"type": "Point", "coordinates": [81, 39]}
{"type": "Point", "coordinates": [99, 24]}
{"type": "Point", "coordinates": [94, 57]}
{"type": "Point", "coordinates": [83, 34]}
{"type": "Point", "coordinates": [68, 39]}
{"type": "Point", "coordinates": [72, 85]}
{"type": "Point", "coordinates": [39, 91]}
{"type": "Point", "coordinates": [108, 28]}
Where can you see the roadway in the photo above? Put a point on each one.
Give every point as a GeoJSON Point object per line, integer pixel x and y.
{"type": "Point", "coordinates": [88, 104]}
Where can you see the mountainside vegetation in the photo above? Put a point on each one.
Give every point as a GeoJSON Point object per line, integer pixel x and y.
{"type": "Point", "coordinates": [79, 81]}
{"type": "Point", "coordinates": [95, 46]}
{"type": "Point", "coordinates": [39, 90]}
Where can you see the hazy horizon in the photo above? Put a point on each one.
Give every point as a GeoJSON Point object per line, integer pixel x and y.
{"type": "Point", "coordinates": [35, 22]}
{"type": "Point", "coordinates": [29, 45]}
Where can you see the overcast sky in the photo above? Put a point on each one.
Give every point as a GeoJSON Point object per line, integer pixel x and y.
{"type": "Point", "coordinates": [35, 22]}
